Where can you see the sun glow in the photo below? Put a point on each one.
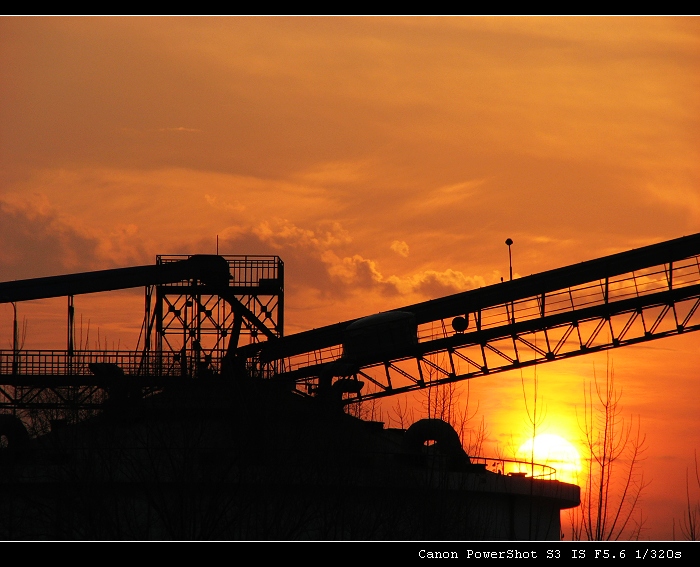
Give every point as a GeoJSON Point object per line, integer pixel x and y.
{"type": "Point", "coordinates": [554, 451]}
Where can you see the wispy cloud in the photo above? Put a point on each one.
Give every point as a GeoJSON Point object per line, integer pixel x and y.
{"type": "Point", "coordinates": [179, 129]}
{"type": "Point", "coordinates": [400, 247]}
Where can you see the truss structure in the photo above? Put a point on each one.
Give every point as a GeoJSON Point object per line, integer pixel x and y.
{"type": "Point", "coordinates": [629, 298]}
{"type": "Point", "coordinates": [198, 311]}
{"type": "Point", "coordinates": [203, 313]}
{"type": "Point", "coordinates": [196, 327]}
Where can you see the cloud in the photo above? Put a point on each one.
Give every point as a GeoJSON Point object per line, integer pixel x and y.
{"type": "Point", "coordinates": [179, 129]}
{"type": "Point", "coordinates": [217, 203]}
{"type": "Point", "coordinates": [336, 172]}
{"type": "Point", "coordinates": [38, 240]}
{"type": "Point", "coordinates": [447, 196]}
{"type": "Point", "coordinates": [302, 250]}
{"type": "Point", "coordinates": [434, 283]}
{"type": "Point", "coordinates": [400, 247]}
{"type": "Point", "coordinates": [318, 259]}
{"type": "Point", "coordinates": [353, 270]}
{"type": "Point", "coordinates": [281, 233]}
{"type": "Point", "coordinates": [683, 200]}
{"type": "Point", "coordinates": [364, 273]}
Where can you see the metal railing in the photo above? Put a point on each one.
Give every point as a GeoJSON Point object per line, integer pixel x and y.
{"type": "Point", "coordinates": [246, 270]}
{"type": "Point", "coordinates": [63, 363]}
{"type": "Point", "coordinates": [511, 467]}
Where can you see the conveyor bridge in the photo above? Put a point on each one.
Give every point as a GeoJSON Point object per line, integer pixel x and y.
{"type": "Point", "coordinates": [623, 299]}
{"type": "Point", "coordinates": [223, 316]}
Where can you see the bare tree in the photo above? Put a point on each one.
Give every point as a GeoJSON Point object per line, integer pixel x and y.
{"type": "Point", "coordinates": [401, 414]}
{"type": "Point", "coordinates": [613, 482]}
{"type": "Point", "coordinates": [452, 403]}
{"type": "Point", "coordinates": [535, 414]}
{"type": "Point", "coordinates": [689, 526]}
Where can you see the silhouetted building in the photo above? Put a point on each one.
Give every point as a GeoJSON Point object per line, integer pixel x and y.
{"type": "Point", "coordinates": [214, 460]}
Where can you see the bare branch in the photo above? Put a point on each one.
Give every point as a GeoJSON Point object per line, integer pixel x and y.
{"type": "Point", "coordinates": [613, 484]}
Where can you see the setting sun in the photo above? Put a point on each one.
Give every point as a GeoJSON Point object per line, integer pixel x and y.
{"type": "Point", "coordinates": [554, 451]}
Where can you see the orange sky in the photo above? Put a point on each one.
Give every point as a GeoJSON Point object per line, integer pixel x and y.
{"type": "Point", "coordinates": [385, 160]}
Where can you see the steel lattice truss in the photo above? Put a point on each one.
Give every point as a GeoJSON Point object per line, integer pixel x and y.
{"type": "Point", "coordinates": [198, 311]}
{"type": "Point", "coordinates": [629, 298]}
{"type": "Point", "coordinates": [199, 326]}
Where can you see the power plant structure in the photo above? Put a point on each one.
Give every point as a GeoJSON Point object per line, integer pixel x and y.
{"type": "Point", "coordinates": [220, 426]}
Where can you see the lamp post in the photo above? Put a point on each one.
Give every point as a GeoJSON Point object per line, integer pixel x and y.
{"type": "Point", "coordinates": [511, 315]}
{"type": "Point", "coordinates": [509, 242]}
{"type": "Point", "coordinates": [14, 339]}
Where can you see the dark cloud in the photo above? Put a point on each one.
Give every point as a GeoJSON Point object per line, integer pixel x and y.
{"type": "Point", "coordinates": [318, 260]}
{"type": "Point", "coordinates": [36, 244]}
{"type": "Point", "coordinates": [36, 241]}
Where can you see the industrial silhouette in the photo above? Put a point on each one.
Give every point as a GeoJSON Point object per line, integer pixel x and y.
{"type": "Point", "coordinates": [218, 426]}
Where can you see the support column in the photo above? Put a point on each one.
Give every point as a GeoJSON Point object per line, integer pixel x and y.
{"type": "Point", "coordinates": [70, 347]}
